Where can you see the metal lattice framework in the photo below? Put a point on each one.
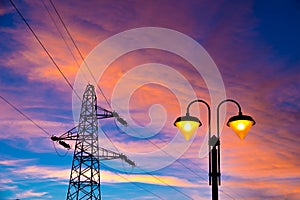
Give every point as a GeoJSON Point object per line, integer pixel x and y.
{"type": "Point", "coordinates": [85, 174]}
{"type": "Point", "coordinates": [84, 183]}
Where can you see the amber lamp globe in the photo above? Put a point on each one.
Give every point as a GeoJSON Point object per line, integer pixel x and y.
{"type": "Point", "coordinates": [241, 124]}
{"type": "Point", "coordinates": [187, 125]}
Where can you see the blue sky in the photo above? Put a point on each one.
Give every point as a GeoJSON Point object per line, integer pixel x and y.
{"type": "Point", "coordinates": [255, 46]}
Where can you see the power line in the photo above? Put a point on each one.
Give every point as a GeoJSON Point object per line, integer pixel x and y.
{"type": "Point", "coordinates": [79, 52]}
{"type": "Point", "coordinates": [62, 36]}
{"type": "Point", "coordinates": [160, 180]}
{"type": "Point", "coordinates": [28, 118]}
{"type": "Point", "coordinates": [139, 186]}
{"type": "Point", "coordinates": [192, 171]}
{"type": "Point", "coordinates": [60, 33]}
{"type": "Point", "coordinates": [110, 140]}
{"type": "Point", "coordinates": [42, 45]}
{"type": "Point", "coordinates": [228, 195]}
{"type": "Point", "coordinates": [46, 132]}
{"type": "Point", "coordinates": [33, 122]}
{"type": "Point", "coordinates": [53, 61]}
{"type": "Point", "coordinates": [24, 115]}
{"type": "Point", "coordinates": [65, 78]}
{"type": "Point", "coordinates": [57, 153]}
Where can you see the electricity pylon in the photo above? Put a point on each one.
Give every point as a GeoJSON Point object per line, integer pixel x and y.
{"type": "Point", "coordinates": [84, 180]}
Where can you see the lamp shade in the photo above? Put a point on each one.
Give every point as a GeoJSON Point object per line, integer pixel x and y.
{"type": "Point", "coordinates": [241, 124]}
{"type": "Point", "coordinates": [187, 125]}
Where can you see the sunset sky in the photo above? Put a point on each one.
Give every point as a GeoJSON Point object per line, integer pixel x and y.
{"type": "Point", "coordinates": [254, 45]}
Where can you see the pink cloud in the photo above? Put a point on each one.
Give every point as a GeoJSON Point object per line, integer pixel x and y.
{"type": "Point", "coordinates": [16, 162]}
{"type": "Point", "coordinates": [30, 193]}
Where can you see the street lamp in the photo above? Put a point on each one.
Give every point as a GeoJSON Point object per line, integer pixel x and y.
{"type": "Point", "coordinates": [188, 125]}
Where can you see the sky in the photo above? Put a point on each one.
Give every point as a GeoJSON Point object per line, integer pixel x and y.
{"type": "Point", "coordinates": [141, 56]}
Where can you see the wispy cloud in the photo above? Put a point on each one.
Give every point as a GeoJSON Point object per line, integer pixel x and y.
{"type": "Point", "coordinates": [30, 193]}
{"type": "Point", "coordinates": [110, 177]}
{"type": "Point", "coordinates": [16, 162]}
{"type": "Point", "coordinates": [39, 172]}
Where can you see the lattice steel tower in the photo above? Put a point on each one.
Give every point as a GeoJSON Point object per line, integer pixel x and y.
{"type": "Point", "coordinates": [85, 175]}
{"type": "Point", "coordinates": [84, 180]}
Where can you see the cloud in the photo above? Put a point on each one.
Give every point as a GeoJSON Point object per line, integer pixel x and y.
{"type": "Point", "coordinates": [110, 177]}
{"type": "Point", "coordinates": [40, 172]}
{"type": "Point", "coordinates": [16, 162]}
{"type": "Point", "coordinates": [26, 135]}
{"type": "Point", "coordinates": [30, 193]}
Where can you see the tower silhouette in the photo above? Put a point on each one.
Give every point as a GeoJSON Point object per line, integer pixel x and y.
{"type": "Point", "coordinates": [84, 180]}
{"type": "Point", "coordinates": [85, 174]}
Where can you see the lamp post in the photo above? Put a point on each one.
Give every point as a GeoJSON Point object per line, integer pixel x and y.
{"type": "Point", "coordinates": [188, 125]}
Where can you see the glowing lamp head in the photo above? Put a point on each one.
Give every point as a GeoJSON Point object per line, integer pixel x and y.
{"type": "Point", "coordinates": [241, 124]}
{"type": "Point", "coordinates": [187, 125]}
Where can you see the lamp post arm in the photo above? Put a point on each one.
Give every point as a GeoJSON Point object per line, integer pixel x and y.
{"type": "Point", "coordinates": [208, 109]}
{"type": "Point", "coordinates": [218, 112]}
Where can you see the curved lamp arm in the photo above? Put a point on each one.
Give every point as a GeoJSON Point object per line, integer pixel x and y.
{"type": "Point", "coordinates": [218, 112]}
{"type": "Point", "coordinates": [208, 109]}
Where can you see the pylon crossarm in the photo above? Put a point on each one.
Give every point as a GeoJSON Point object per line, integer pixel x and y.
{"type": "Point", "coordinates": [104, 113]}
{"type": "Point", "coordinates": [105, 154]}
{"type": "Point", "coordinates": [69, 135]}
